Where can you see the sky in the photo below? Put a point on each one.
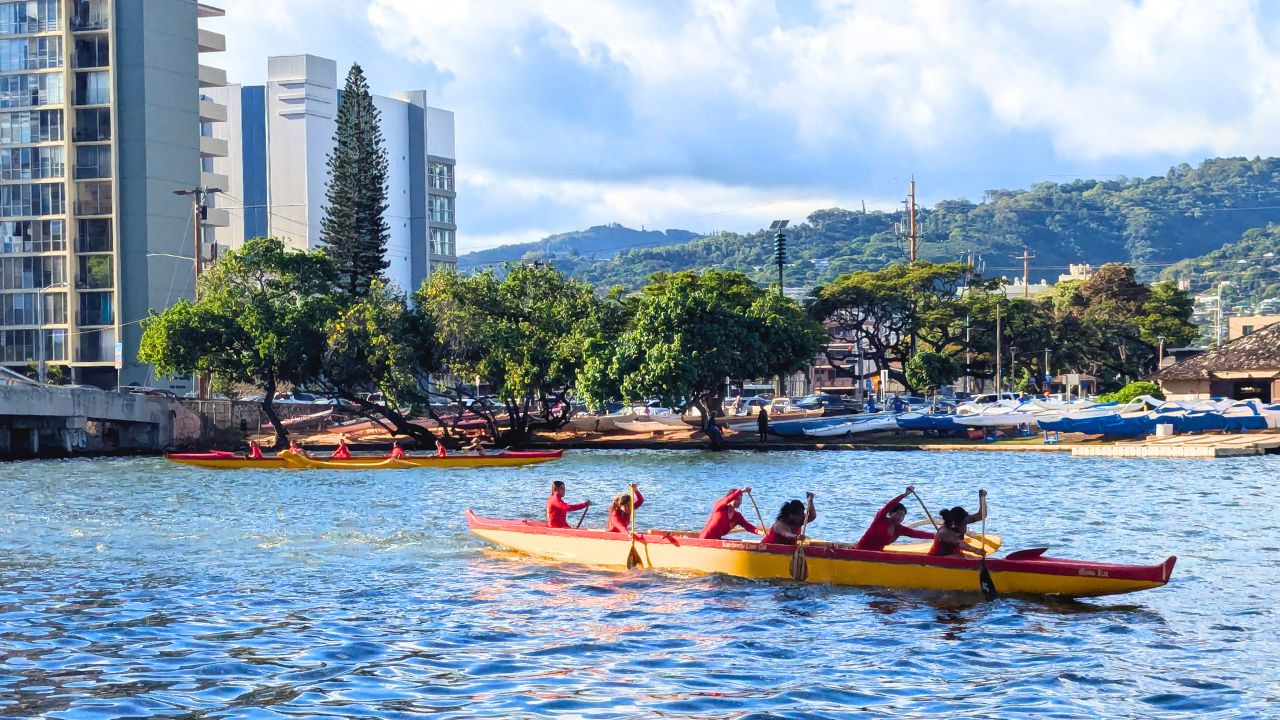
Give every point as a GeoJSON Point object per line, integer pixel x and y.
{"type": "Point", "coordinates": [714, 115]}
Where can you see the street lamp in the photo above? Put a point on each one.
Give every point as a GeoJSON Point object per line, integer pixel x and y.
{"type": "Point", "coordinates": [1013, 352]}
{"type": "Point", "coordinates": [1160, 353]}
{"type": "Point", "coordinates": [1217, 333]}
{"type": "Point", "coordinates": [41, 365]}
{"type": "Point", "coordinates": [1047, 375]}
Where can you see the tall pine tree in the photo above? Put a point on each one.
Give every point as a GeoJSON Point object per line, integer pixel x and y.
{"type": "Point", "coordinates": [355, 232]}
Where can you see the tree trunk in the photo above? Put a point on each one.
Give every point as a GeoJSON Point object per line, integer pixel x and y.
{"type": "Point", "coordinates": [403, 427]}
{"type": "Point", "coordinates": [269, 409]}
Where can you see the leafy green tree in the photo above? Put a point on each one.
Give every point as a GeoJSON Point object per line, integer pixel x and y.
{"type": "Point", "coordinates": [1132, 391]}
{"type": "Point", "coordinates": [355, 232]}
{"type": "Point", "coordinates": [259, 319]}
{"type": "Point", "coordinates": [928, 369]}
{"type": "Point", "coordinates": [692, 331]}
{"type": "Point", "coordinates": [525, 334]}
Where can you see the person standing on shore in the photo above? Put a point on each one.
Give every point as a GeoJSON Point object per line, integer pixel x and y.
{"type": "Point", "coordinates": [762, 424]}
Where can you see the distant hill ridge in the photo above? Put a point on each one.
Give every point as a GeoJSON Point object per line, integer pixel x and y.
{"type": "Point", "coordinates": [1151, 223]}
{"type": "Point", "coordinates": [593, 244]}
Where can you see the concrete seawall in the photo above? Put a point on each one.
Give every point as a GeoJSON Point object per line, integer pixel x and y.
{"type": "Point", "coordinates": [49, 421]}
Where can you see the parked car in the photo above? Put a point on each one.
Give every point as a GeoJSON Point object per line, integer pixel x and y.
{"type": "Point", "coordinates": [829, 404]}
{"type": "Point", "coordinates": [988, 398]}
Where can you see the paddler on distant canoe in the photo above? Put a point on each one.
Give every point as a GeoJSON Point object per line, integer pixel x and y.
{"type": "Point", "coordinates": [725, 517]}
{"type": "Point", "coordinates": [342, 452]}
{"type": "Point", "coordinates": [558, 510]}
{"type": "Point", "coordinates": [887, 526]}
{"type": "Point", "coordinates": [255, 452]}
{"type": "Point", "coordinates": [950, 538]}
{"type": "Point", "coordinates": [441, 450]}
{"type": "Point", "coordinates": [397, 452]}
{"type": "Point", "coordinates": [620, 511]}
{"type": "Point", "coordinates": [789, 527]}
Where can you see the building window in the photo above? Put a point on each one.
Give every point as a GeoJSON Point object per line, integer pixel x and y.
{"type": "Point", "coordinates": [32, 163]}
{"type": "Point", "coordinates": [24, 273]}
{"type": "Point", "coordinates": [441, 208]}
{"type": "Point", "coordinates": [95, 272]}
{"type": "Point", "coordinates": [17, 91]}
{"type": "Point", "coordinates": [93, 51]}
{"type": "Point", "coordinates": [94, 198]}
{"type": "Point", "coordinates": [93, 125]}
{"type": "Point", "coordinates": [18, 200]}
{"type": "Point", "coordinates": [442, 241]}
{"type": "Point", "coordinates": [21, 308]}
{"type": "Point", "coordinates": [32, 236]}
{"type": "Point", "coordinates": [30, 54]}
{"type": "Point", "coordinates": [93, 161]}
{"type": "Point", "coordinates": [96, 308]}
{"type": "Point", "coordinates": [29, 16]}
{"type": "Point", "coordinates": [93, 88]}
{"type": "Point", "coordinates": [90, 15]}
{"type": "Point", "coordinates": [93, 236]}
{"type": "Point", "coordinates": [441, 176]}
{"type": "Point", "coordinates": [1246, 330]}
{"type": "Point", "coordinates": [31, 127]}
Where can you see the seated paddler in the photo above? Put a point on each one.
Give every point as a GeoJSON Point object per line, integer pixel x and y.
{"type": "Point", "coordinates": [955, 522]}
{"type": "Point", "coordinates": [342, 452]}
{"type": "Point", "coordinates": [887, 526]}
{"type": "Point", "coordinates": [725, 517]}
{"type": "Point", "coordinates": [789, 527]}
{"type": "Point", "coordinates": [557, 509]}
{"type": "Point", "coordinates": [620, 511]}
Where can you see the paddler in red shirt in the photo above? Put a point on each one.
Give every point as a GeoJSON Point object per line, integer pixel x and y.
{"type": "Point", "coordinates": [725, 517]}
{"type": "Point", "coordinates": [620, 511]}
{"type": "Point", "coordinates": [397, 452]}
{"type": "Point", "coordinates": [792, 518]}
{"type": "Point", "coordinates": [887, 526]}
{"type": "Point", "coordinates": [255, 452]}
{"type": "Point", "coordinates": [558, 510]}
{"type": "Point", "coordinates": [342, 452]}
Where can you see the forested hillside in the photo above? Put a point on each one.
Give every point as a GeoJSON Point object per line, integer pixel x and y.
{"type": "Point", "coordinates": [1149, 222]}
{"type": "Point", "coordinates": [1251, 265]}
{"type": "Point", "coordinates": [590, 245]}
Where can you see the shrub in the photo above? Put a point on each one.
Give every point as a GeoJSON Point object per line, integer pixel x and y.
{"type": "Point", "coordinates": [1133, 390]}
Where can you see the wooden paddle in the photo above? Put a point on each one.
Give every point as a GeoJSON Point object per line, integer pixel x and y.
{"type": "Point", "coordinates": [925, 509]}
{"type": "Point", "coordinates": [757, 507]}
{"type": "Point", "coordinates": [984, 576]}
{"type": "Point", "coordinates": [1028, 554]}
{"type": "Point", "coordinates": [584, 517]}
{"type": "Point", "coordinates": [799, 565]}
{"type": "Point", "coordinates": [633, 557]}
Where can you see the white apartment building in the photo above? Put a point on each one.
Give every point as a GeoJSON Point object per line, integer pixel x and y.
{"type": "Point", "coordinates": [101, 122]}
{"type": "Point", "coordinates": [279, 138]}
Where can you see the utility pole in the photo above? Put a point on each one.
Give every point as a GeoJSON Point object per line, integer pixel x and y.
{"type": "Point", "coordinates": [999, 376]}
{"type": "Point", "coordinates": [199, 212]}
{"type": "Point", "coordinates": [780, 256]}
{"type": "Point", "coordinates": [912, 232]}
{"type": "Point", "coordinates": [1026, 257]}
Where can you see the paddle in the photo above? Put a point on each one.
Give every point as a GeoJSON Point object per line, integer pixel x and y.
{"type": "Point", "coordinates": [1028, 554]}
{"type": "Point", "coordinates": [984, 576]}
{"type": "Point", "coordinates": [800, 566]}
{"type": "Point", "coordinates": [583, 517]}
{"type": "Point", "coordinates": [759, 517]}
{"type": "Point", "coordinates": [633, 557]}
{"type": "Point", "coordinates": [925, 509]}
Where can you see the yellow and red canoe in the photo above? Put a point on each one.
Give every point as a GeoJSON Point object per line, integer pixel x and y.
{"type": "Point", "coordinates": [1028, 573]}
{"type": "Point", "coordinates": [288, 460]}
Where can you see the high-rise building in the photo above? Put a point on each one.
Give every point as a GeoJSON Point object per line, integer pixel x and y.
{"type": "Point", "coordinates": [102, 120]}
{"type": "Point", "coordinates": [279, 138]}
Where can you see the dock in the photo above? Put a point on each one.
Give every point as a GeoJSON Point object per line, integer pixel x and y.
{"type": "Point", "coordinates": [1185, 446]}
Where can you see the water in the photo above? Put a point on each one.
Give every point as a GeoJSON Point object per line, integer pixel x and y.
{"type": "Point", "coordinates": [136, 588]}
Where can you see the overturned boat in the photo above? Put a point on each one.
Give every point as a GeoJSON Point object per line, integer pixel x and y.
{"type": "Point", "coordinates": [289, 460]}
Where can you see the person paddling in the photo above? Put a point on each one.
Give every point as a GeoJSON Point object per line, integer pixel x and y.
{"type": "Point", "coordinates": [441, 451]}
{"type": "Point", "coordinates": [791, 520]}
{"type": "Point", "coordinates": [887, 526]}
{"type": "Point", "coordinates": [255, 452]}
{"type": "Point", "coordinates": [950, 537]}
{"type": "Point", "coordinates": [297, 449]}
{"type": "Point", "coordinates": [620, 511]}
{"type": "Point", "coordinates": [725, 517]}
{"type": "Point", "coordinates": [397, 452]}
{"type": "Point", "coordinates": [558, 510]}
{"type": "Point", "coordinates": [342, 452]}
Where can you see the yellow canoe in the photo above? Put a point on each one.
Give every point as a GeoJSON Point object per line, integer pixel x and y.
{"type": "Point", "coordinates": [288, 460]}
{"type": "Point", "coordinates": [828, 563]}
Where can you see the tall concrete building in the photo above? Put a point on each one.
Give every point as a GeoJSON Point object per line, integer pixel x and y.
{"type": "Point", "coordinates": [101, 119]}
{"type": "Point", "coordinates": [279, 138]}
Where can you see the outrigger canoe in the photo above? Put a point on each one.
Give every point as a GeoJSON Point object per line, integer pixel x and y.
{"type": "Point", "coordinates": [288, 460]}
{"type": "Point", "coordinates": [1026, 573]}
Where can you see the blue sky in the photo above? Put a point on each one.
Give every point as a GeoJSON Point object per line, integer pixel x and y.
{"type": "Point", "coordinates": [722, 115]}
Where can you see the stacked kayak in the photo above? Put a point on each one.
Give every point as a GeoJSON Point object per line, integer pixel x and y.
{"type": "Point", "coordinates": [797, 428]}
{"type": "Point", "coordinates": [855, 424]}
{"type": "Point", "coordinates": [937, 422]}
{"type": "Point", "coordinates": [1026, 572]}
{"type": "Point", "coordinates": [288, 460]}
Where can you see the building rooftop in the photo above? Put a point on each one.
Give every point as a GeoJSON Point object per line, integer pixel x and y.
{"type": "Point", "coordinates": [1257, 351]}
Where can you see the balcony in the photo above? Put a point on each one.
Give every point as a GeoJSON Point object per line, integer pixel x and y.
{"type": "Point", "coordinates": [213, 147]}
{"type": "Point", "coordinates": [212, 76]}
{"type": "Point", "coordinates": [212, 111]}
{"type": "Point", "coordinates": [214, 180]}
{"type": "Point", "coordinates": [210, 41]}
{"type": "Point", "coordinates": [217, 217]}
{"type": "Point", "coordinates": [209, 11]}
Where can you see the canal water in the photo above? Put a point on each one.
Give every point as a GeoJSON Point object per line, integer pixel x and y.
{"type": "Point", "coordinates": [138, 588]}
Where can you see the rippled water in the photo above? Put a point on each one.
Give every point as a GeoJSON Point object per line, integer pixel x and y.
{"type": "Point", "coordinates": [139, 588]}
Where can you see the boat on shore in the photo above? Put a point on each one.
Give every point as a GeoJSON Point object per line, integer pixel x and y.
{"type": "Point", "coordinates": [855, 424]}
{"type": "Point", "coordinates": [288, 460]}
{"type": "Point", "coordinates": [1026, 573]}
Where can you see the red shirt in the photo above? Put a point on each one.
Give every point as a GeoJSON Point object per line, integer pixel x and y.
{"type": "Point", "coordinates": [441, 452]}
{"type": "Point", "coordinates": [396, 452]}
{"type": "Point", "coordinates": [558, 511]}
{"type": "Point", "coordinates": [255, 452]}
{"type": "Point", "coordinates": [884, 531]}
{"type": "Point", "coordinates": [342, 453]}
{"type": "Point", "coordinates": [619, 519]}
{"type": "Point", "coordinates": [724, 518]}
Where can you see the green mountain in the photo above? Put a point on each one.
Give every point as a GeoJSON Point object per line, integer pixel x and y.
{"type": "Point", "coordinates": [1149, 222]}
{"type": "Point", "coordinates": [1250, 265]}
{"type": "Point", "coordinates": [590, 245]}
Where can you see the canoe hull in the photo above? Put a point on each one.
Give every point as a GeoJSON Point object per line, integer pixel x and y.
{"type": "Point", "coordinates": [828, 563]}
{"type": "Point", "coordinates": [290, 461]}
